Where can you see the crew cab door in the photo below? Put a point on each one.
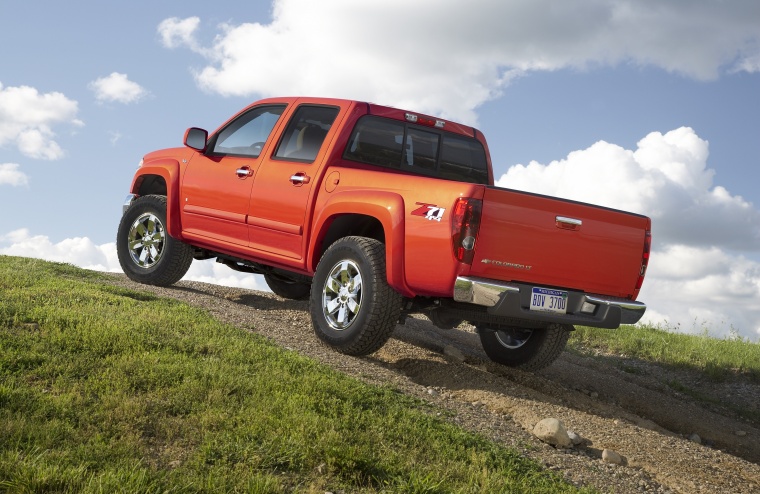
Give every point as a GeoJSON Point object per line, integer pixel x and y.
{"type": "Point", "coordinates": [217, 184]}
{"type": "Point", "coordinates": [280, 196]}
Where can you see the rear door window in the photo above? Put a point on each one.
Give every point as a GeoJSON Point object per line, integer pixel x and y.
{"type": "Point", "coordinates": [306, 132]}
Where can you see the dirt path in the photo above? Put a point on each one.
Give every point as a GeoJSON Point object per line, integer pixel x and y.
{"type": "Point", "coordinates": [611, 402]}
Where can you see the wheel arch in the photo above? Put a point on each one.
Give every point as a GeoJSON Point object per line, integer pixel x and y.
{"type": "Point", "coordinates": [379, 216]}
{"type": "Point", "coordinates": [161, 178]}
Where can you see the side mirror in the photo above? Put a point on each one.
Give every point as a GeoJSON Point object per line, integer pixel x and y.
{"type": "Point", "coordinates": [196, 138]}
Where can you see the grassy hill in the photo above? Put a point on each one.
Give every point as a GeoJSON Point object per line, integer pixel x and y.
{"type": "Point", "coordinates": [103, 389]}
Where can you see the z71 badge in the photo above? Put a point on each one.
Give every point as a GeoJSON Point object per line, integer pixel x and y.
{"type": "Point", "coordinates": [429, 211]}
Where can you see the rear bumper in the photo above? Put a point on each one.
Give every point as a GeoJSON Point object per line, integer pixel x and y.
{"type": "Point", "coordinates": [512, 300]}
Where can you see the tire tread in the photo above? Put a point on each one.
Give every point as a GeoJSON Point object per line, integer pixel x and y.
{"type": "Point", "coordinates": [177, 256]}
{"type": "Point", "coordinates": [385, 304]}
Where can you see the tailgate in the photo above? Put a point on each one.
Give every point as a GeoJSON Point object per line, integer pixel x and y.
{"type": "Point", "coordinates": [554, 242]}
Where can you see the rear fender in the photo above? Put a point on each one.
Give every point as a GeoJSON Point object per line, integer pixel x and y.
{"type": "Point", "coordinates": [387, 208]}
{"type": "Point", "coordinates": [169, 171]}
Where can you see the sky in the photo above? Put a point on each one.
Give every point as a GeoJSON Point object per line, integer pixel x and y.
{"type": "Point", "coordinates": [647, 106]}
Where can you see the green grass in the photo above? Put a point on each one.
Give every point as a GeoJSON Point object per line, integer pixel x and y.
{"type": "Point", "coordinates": [104, 389]}
{"type": "Point", "coordinates": [716, 359]}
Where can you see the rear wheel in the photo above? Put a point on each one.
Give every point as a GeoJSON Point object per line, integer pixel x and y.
{"type": "Point", "coordinates": [147, 253]}
{"type": "Point", "coordinates": [527, 349]}
{"type": "Point", "coordinates": [353, 309]}
{"type": "Point", "coordinates": [293, 290]}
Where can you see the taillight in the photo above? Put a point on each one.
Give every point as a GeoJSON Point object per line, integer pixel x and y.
{"type": "Point", "coordinates": [644, 259]}
{"type": "Point", "coordinates": [465, 223]}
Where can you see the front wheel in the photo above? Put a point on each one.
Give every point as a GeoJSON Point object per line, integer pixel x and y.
{"type": "Point", "coordinates": [353, 309]}
{"type": "Point", "coordinates": [147, 253]}
{"type": "Point", "coordinates": [527, 349]}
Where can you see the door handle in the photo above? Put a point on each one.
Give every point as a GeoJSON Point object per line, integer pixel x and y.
{"type": "Point", "coordinates": [568, 223]}
{"type": "Point", "coordinates": [300, 178]}
{"type": "Point", "coordinates": [244, 172]}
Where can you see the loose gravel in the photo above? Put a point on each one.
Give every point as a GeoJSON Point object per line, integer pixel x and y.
{"type": "Point", "coordinates": [610, 402]}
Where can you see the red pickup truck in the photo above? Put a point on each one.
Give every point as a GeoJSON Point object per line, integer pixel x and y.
{"type": "Point", "coordinates": [374, 213]}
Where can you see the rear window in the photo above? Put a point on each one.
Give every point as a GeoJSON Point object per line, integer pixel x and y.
{"type": "Point", "coordinates": [393, 144]}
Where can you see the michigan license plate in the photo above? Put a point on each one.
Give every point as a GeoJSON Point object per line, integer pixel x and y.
{"type": "Point", "coordinates": [547, 300]}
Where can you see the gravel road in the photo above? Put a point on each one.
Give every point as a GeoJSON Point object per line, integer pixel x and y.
{"type": "Point", "coordinates": [610, 401]}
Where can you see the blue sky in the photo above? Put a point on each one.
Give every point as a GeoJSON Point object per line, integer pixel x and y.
{"type": "Point", "coordinates": [648, 106]}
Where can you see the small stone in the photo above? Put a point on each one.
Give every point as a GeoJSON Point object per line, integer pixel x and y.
{"type": "Point", "coordinates": [553, 432]}
{"type": "Point", "coordinates": [174, 463]}
{"type": "Point", "coordinates": [432, 392]}
{"type": "Point", "coordinates": [477, 403]}
{"type": "Point", "coordinates": [695, 438]}
{"type": "Point", "coordinates": [741, 433]}
{"type": "Point", "coordinates": [454, 352]}
{"type": "Point", "coordinates": [613, 457]}
{"type": "Point", "coordinates": [594, 395]}
{"type": "Point", "coordinates": [574, 438]}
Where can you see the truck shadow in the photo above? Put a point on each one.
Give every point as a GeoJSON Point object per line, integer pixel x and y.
{"type": "Point", "coordinates": [602, 385]}
{"type": "Point", "coordinates": [253, 299]}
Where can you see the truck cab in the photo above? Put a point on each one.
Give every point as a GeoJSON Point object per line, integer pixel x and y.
{"type": "Point", "coordinates": [373, 213]}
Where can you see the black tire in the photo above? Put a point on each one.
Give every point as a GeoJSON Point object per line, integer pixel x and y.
{"type": "Point", "coordinates": [287, 289]}
{"type": "Point", "coordinates": [147, 253]}
{"type": "Point", "coordinates": [526, 349]}
{"type": "Point", "coordinates": [354, 320]}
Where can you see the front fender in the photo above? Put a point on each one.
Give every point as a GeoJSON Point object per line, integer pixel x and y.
{"type": "Point", "coordinates": [169, 170]}
{"type": "Point", "coordinates": [388, 209]}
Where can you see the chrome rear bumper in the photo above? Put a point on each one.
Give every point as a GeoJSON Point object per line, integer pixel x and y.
{"type": "Point", "coordinates": [513, 300]}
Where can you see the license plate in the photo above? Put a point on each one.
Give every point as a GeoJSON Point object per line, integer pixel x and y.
{"type": "Point", "coordinates": [547, 300]}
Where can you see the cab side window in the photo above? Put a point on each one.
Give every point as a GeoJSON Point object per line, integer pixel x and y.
{"type": "Point", "coordinates": [247, 134]}
{"type": "Point", "coordinates": [305, 133]}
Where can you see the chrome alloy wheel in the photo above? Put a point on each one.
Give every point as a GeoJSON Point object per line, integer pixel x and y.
{"type": "Point", "coordinates": [513, 338]}
{"type": "Point", "coordinates": [342, 295]}
{"type": "Point", "coordinates": [147, 238]}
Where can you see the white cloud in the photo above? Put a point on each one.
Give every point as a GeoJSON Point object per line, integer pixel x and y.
{"type": "Point", "coordinates": [80, 251]}
{"type": "Point", "coordinates": [114, 137]}
{"type": "Point", "coordinates": [83, 252]}
{"type": "Point", "coordinates": [27, 117]}
{"type": "Point", "coordinates": [693, 280]}
{"type": "Point", "coordinates": [666, 178]}
{"type": "Point", "coordinates": [10, 175]}
{"type": "Point", "coordinates": [118, 88]}
{"type": "Point", "coordinates": [212, 272]}
{"type": "Point", "coordinates": [343, 47]}
{"type": "Point", "coordinates": [176, 32]}
{"type": "Point", "coordinates": [703, 288]}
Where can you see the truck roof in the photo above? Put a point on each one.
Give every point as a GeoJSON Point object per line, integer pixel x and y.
{"type": "Point", "coordinates": [383, 111]}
